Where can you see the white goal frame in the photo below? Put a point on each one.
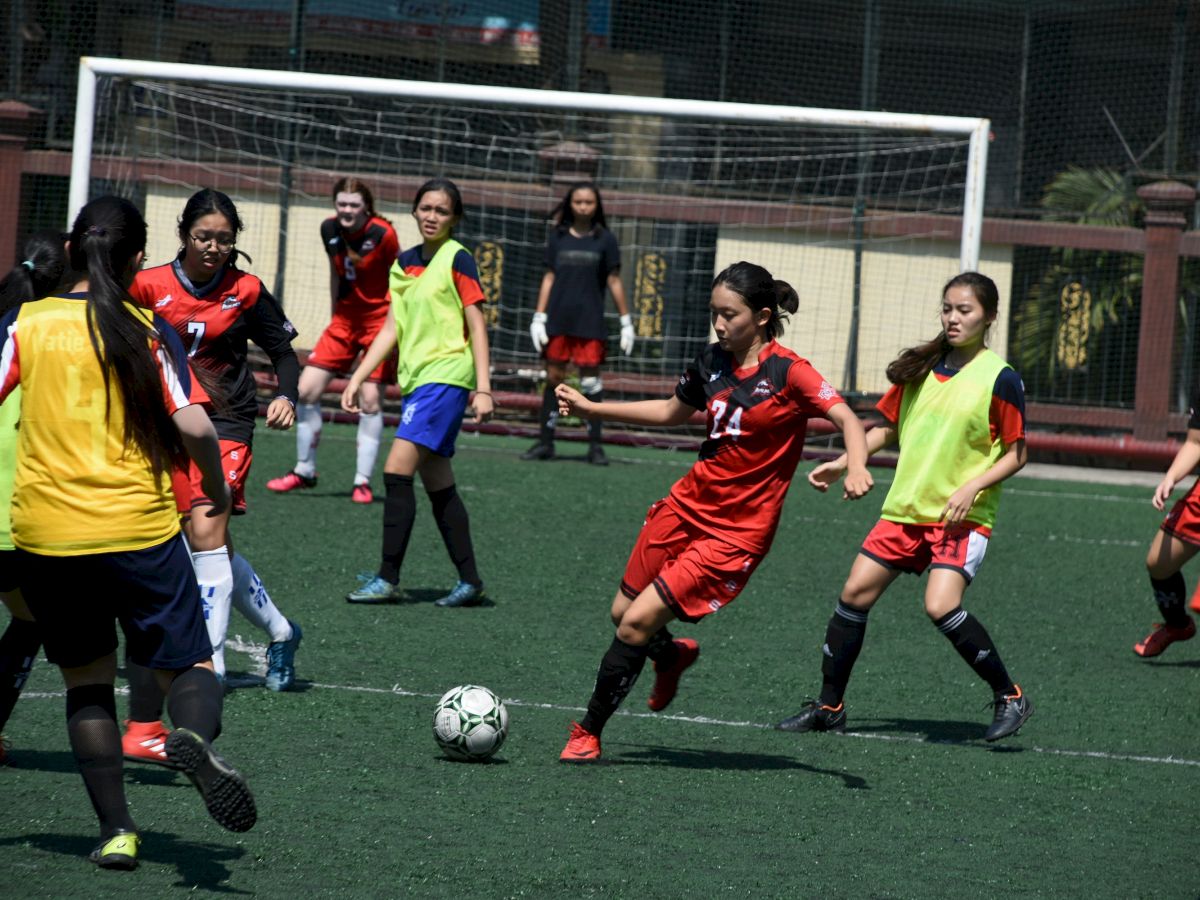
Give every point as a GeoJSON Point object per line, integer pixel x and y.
{"type": "Point", "coordinates": [977, 130]}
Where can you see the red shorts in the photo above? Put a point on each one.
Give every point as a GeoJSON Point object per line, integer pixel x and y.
{"type": "Point", "coordinates": [915, 548]}
{"type": "Point", "coordinates": [586, 352]}
{"type": "Point", "coordinates": [344, 340]}
{"type": "Point", "coordinates": [235, 462]}
{"type": "Point", "coordinates": [1183, 521]}
{"type": "Point", "coordinates": [695, 573]}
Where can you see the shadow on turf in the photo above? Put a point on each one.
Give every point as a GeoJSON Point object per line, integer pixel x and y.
{"type": "Point", "coordinates": [200, 865]}
{"type": "Point", "coordinates": [936, 731]}
{"type": "Point", "coordinates": [685, 758]}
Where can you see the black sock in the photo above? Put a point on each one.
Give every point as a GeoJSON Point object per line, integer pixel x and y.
{"type": "Point", "coordinates": [662, 649]}
{"type": "Point", "coordinates": [619, 670]}
{"type": "Point", "coordinates": [1169, 594]}
{"type": "Point", "coordinates": [973, 644]}
{"type": "Point", "coordinates": [450, 513]}
{"type": "Point", "coordinates": [548, 417]}
{"type": "Point", "coordinates": [96, 743]}
{"type": "Point", "coordinates": [843, 640]}
{"type": "Point", "coordinates": [194, 702]}
{"type": "Point", "coordinates": [399, 514]}
{"type": "Point", "coordinates": [145, 696]}
{"type": "Point", "coordinates": [18, 649]}
{"type": "Point", "coordinates": [595, 426]}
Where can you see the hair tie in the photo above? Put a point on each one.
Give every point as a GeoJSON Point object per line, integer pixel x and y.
{"type": "Point", "coordinates": [96, 231]}
{"type": "Point", "coordinates": [29, 264]}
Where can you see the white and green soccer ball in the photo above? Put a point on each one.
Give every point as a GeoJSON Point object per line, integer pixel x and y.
{"type": "Point", "coordinates": [470, 723]}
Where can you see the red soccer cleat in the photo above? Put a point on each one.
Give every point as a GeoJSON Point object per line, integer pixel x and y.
{"type": "Point", "coordinates": [145, 742]}
{"type": "Point", "coordinates": [666, 681]}
{"type": "Point", "coordinates": [362, 494]}
{"type": "Point", "coordinates": [582, 746]}
{"type": "Point", "coordinates": [1162, 637]}
{"type": "Point", "coordinates": [290, 482]}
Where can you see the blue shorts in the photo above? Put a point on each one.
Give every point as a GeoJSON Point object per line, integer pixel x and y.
{"type": "Point", "coordinates": [432, 415]}
{"type": "Point", "coordinates": [151, 592]}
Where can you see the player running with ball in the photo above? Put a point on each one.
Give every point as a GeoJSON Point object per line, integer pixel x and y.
{"type": "Point", "coordinates": [702, 542]}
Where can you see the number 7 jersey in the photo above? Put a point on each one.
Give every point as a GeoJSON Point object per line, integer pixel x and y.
{"type": "Point", "coordinates": [757, 418]}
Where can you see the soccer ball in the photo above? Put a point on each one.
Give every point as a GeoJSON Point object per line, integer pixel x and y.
{"type": "Point", "coordinates": [470, 723]}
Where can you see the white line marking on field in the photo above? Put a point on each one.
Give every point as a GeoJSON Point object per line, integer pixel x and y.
{"type": "Point", "coordinates": [398, 691]}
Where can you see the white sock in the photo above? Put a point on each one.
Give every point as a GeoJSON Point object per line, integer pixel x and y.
{"type": "Point", "coordinates": [370, 429]}
{"type": "Point", "coordinates": [308, 435]}
{"type": "Point", "coordinates": [253, 601]}
{"type": "Point", "coordinates": [216, 593]}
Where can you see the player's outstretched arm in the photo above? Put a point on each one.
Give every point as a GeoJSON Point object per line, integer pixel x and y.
{"type": "Point", "coordinates": [200, 441]}
{"type": "Point", "coordinates": [828, 473]}
{"type": "Point", "coordinates": [858, 479]}
{"type": "Point", "coordinates": [1185, 461]}
{"type": "Point", "coordinates": [671, 411]}
{"type": "Point", "coordinates": [379, 350]}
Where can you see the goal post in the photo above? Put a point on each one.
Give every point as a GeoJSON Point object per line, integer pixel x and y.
{"type": "Point", "coordinates": [865, 213]}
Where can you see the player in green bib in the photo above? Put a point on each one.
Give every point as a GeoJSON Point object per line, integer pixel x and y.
{"type": "Point", "coordinates": [957, 411]}
{"type": "Point", "coordinates": [438, 325]}
{"type": "Point", "coordinates": [36, 276]}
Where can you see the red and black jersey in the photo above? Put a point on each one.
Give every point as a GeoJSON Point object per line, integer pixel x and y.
{"type": "Point", "coordinates": [757, 419]}
{"type": "Point", "coordinates": [362, 285]}
{"type": "Point", "coordinates": [215, 321]}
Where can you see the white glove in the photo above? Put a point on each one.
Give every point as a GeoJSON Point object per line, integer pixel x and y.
{"type": "Point", "coordinates": [626, 334]}
{"type": "Point", "coordinates": [537, 331]}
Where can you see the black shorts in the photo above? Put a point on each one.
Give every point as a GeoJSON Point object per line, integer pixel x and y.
{"type": "Point", "coordinates": [8, 571]}
{"type": "Point", "coordinates": [151, 592]}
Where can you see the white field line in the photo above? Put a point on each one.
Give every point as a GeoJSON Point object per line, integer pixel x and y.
{"type": "Point", "coordinates": [258, 653]}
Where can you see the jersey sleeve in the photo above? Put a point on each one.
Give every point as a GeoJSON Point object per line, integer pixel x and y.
{"type": "Point", "coordinates": [889, 404]}
{"type": "Point", "coordinates": [330, 238]}
{"type": "Point", "coordinates": [809, 388]}
{"type": "Point", "coordinates": [274, 333]}
{"type": "Point", "coordinates": [1007, 413]}
{"type": "Point", "coordinates": [389, 247]}
{"type": "Point", "coordinates": [142, 290]}
{"type": "Point", "coordinates": [612, 253]}
{"type": "Point", "coordinates": [180, 386]}
{"type": "Point", "coordinates": [690, 389]}
{"type": "Point", "coordinates": [550, 256]}
{"type": "Point", "coordinates": [10, 357]}
{"type": "Point", "coordinates": [466, 279]}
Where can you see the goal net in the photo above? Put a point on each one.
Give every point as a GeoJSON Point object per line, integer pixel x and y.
{"type": "Point", "coordinates": [865, 214]}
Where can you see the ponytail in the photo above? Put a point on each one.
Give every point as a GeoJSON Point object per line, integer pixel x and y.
{"type": "Point", "coordinates": [38, 274]}
{"type": "Point", "coordinates": [107, 236]}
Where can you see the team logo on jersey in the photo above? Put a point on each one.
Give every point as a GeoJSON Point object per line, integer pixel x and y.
{"type": "Point", "coordinates": [231, 302]}
{"type": "Point", "coordinates": [762, 389]}
{"type": "Point", "coordinates": [826, 392]}
{"type": "Point", "coordinates": [367, 246]}
{"type": "Point", "coordinates": [713, 376]}
{"type": "Point", "coordinates": [162, 301]}
{"type": "Point", "coordinates": [289, 327]}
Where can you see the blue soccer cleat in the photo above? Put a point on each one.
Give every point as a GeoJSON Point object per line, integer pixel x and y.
{"type": "Point", "coordinates": [281, 660]}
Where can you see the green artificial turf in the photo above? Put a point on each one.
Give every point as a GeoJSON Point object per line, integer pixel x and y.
{"type": "Point", "coordinates": [1096, 797]}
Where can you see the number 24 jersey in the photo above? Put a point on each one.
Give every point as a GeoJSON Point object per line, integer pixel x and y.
{"type": "Point", "coordinates": [757, 417]}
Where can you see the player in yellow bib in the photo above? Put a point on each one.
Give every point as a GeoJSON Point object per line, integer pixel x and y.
{"type": "Point", "coordinates": [438, 325]}
{"type": "Point", "coordinates": [108, 406]}
{"type": "Point", "coordinates": [957, 411]}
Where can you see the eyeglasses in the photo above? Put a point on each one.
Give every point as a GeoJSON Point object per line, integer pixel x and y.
{"type": "Point", "coordinates": [224, 242]}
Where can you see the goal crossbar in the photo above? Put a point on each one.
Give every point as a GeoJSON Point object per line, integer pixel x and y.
{"type": "Point", "coordinates": [975, 129]}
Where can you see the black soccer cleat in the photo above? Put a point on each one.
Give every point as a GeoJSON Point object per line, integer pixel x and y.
{"type": "Point", "coordinates": [225, 792]}
{"type": "Point", "coordinates": [815, 717]}
{"type": "Point", "coordinates": [539, 451]}
{"type": "Point", "coordinates": [1011, 712]}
